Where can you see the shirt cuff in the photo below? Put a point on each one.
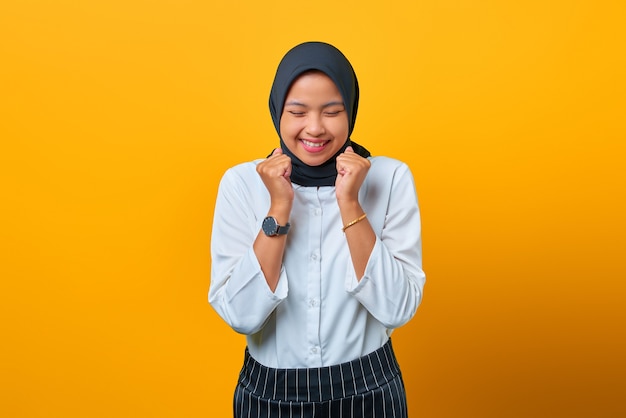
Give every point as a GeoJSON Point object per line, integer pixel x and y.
{"type": "Point", "coordinates": [352, 284]}
{"type": "Point", "coordinates": [251, 281]}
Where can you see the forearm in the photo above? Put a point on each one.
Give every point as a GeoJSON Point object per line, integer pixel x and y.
{"type": "Point", "coordinates": [359, 236]}
{"type": "Point", "coordinates": [270, 250]}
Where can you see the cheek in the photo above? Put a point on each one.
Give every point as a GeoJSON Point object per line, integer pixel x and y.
{"type": "Point", "coordinates": [289, 129]}
{"type": "Point", "coordinates": [340, 127]}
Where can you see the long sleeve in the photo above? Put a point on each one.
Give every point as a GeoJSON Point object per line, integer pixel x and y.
{"type": "Point", "coordinates": [391, 289]}
{"type": "Point", "coordinates": [239, 291]}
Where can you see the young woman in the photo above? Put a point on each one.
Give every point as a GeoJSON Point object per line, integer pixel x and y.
{"type": "Point", "coordinates": [316, 254]}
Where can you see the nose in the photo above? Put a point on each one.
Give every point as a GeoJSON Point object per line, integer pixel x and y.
{"type": "Point", "coordinates": [315, 126]}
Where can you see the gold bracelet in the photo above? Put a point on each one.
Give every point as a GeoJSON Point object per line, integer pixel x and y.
{"type": "Point", "coordinates": [357, 220]}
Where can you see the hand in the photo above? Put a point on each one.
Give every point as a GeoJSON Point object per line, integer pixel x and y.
{"type": "Point", "coordinates": [351, 172]}
{"type": "Point", "coordinates": [275, 173]}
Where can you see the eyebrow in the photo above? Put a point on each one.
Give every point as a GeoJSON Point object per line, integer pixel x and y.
{"type": "Point", "coordinates": [297, 103]}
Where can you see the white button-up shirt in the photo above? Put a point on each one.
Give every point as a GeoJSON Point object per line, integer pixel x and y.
{"type": "Point", "coordinates": [319, 314]}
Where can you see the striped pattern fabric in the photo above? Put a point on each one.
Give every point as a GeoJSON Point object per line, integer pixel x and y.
{"type": "Point", "coordinates": [368, 387]}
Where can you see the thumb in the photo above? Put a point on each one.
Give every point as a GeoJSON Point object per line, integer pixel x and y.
{"type": "Point", "coordinates": [349, 149]}
{"type": "Point", "coordinates": [277, 151]}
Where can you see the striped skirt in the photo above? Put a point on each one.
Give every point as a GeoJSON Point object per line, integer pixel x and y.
{"type": "Point", "coordinates": [368, 387]}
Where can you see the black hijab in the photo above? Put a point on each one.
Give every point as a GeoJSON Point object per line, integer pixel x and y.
{"type": "Point", "coordinates": [329, 60]}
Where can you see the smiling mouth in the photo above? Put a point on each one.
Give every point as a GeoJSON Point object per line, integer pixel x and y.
{"type": "Point", "coordinates": [310, 144]}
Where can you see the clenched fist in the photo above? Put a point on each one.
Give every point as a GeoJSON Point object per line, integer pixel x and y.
{"type": "Point", "coordinates": [275, 173]}
{"type": "Point", "coordinates": [351, 172]}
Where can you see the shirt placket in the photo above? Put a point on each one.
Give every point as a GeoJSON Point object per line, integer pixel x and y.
{"type": "Point", "coordinates": [314, 281]}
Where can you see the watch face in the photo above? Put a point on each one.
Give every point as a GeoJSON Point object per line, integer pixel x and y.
{"type": "Point", "coordinates": [270, 226]}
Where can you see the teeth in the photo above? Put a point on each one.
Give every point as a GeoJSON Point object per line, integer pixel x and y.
{"type": "Point", "coordinates": [314, 144]}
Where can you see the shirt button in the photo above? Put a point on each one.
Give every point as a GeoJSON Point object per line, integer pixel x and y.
{"type": "Point", "coordinates": [314, 256]}
{"type": "Point", "coordinates": [312, 303]}
{"type": "Point", "coordinates": [314, 350]}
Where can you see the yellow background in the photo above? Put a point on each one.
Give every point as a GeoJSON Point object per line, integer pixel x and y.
{"type": "Point", "coordinates": [117, 119]}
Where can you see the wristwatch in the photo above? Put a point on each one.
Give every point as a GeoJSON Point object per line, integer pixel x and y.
{"type": "Point", "coordinates": [271, 228]}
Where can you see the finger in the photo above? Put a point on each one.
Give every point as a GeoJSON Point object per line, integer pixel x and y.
{"type": "Point", "coordinates": [349, 149]}
{"type": "Point", "coordinates": [342, 167]}
{"type": "Point", "coordinates": [277, 151]}
{"type": "Point", "coordinates": [287, 173]}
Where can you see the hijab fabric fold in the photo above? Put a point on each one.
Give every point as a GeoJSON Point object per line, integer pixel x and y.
{"type": "Point", "coordinates": [326, 58]}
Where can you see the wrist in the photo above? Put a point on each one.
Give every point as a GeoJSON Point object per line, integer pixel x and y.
{"type": "Point", "coordinates": [350, 208]}
{"type": "Point", "coordinates": [280, 211]}
{"type": "Point", "coordinates": [354, 222]}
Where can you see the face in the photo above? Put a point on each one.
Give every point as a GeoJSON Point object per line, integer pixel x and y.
{"type": "Point", "coordinates": [314, 122]}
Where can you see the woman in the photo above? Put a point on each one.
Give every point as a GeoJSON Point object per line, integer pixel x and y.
{"type": "Point", "coordinates": [316, 254]}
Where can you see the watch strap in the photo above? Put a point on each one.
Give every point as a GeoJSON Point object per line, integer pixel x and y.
{"type": "Point", "coordinates": [283, 229]}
